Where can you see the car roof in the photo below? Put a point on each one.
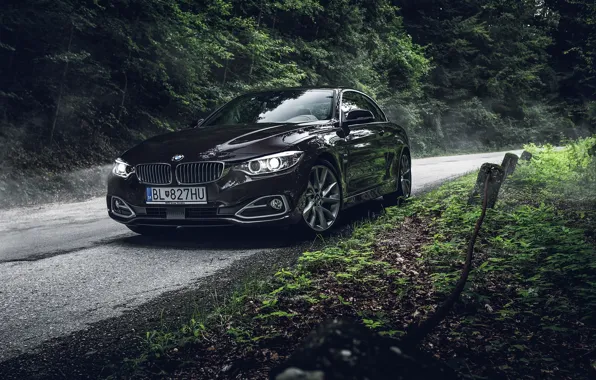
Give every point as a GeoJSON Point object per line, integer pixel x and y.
{"type": "Point", "coordinates": [300, 88]}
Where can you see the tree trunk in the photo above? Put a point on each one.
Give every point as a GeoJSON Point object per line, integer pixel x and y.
{"type": "Point", "coordinates": [438, 125]}
{"type": "Point", "coordinates": [260, 14]}
{"type": "Point", "coordinates": [274, 21]}
{"type": "Point", "coordinates": [123, 96]}
{"type": "Point", "coordinates": [13, 53]}
{"type": "Point", "coordinates": [509, 163]}
{"type": "Point", "coordinates": [252, 59]}
{"type": "Point", "coordinates": [125, 89]}
{"type": "Point", "coordinates": [415, 333]}
{"type": "Point", "coordinates": [62, 82]}
{"type": "Point", "coordinates": [252, 64]}
{"type": "Point", "coordinates": [225, 76]}
{"type": "Point", "coordinates": [495, 174]}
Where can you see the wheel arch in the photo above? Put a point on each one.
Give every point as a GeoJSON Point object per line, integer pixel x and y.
{"type": "Point", "coordinates": [317, 148]}
{"type": "Point", "coordinates": [334, 161]}
{"type": "Point", "coordinates": [326, 156]}
{"type": "Point", "coordinates": [406, 149]}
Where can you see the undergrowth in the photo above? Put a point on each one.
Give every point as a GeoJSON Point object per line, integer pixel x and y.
{"type": "Point", "coordinates": [528, 309]}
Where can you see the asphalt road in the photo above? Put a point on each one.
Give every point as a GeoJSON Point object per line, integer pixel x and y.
{"type": "Point", "coordinates": [66, 266]}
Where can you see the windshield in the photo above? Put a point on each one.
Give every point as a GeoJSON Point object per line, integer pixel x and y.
{"type": "Point", "coordinates": [292, 106]}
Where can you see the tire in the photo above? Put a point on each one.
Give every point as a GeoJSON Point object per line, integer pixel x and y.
{"type": "Point", "coordinates": [322, 198]}
{"type": "Point", "coordinates": [152, 231]}
{"type": "Point", "coordinates": [404, 180]}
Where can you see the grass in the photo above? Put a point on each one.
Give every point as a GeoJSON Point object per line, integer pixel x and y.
{"type": "Point", "coordinates": [528, 310]}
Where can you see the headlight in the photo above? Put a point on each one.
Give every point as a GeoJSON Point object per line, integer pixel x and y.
{"type": "Point", "coordinates": [122, 169]}
{"type": "Point", "coordinates": [272, 163]}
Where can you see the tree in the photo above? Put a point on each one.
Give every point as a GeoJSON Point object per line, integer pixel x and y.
{"type": "Point", "coordinates": [491, 74]}
{"type": "Point", "coordinates": [573, 56]}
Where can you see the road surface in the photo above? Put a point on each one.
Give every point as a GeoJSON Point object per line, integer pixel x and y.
{"type": "Point", "coordinates": [65, 266]}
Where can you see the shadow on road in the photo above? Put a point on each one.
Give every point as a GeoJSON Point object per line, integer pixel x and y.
{"type": "Point", "coordinates": [234, 238]}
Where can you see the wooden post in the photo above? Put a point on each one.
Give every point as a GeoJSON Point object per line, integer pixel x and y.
{"type": "Point", "coordinates": [495, 174]}
{"type": "Point", "coordinates": [509, 163]}
{"type": "Point", "coordinates": [525, 156]}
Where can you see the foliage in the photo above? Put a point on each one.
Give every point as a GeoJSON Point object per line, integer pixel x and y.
{"type": "Point", "coordinates": [83, 80]}
{"type": "Point", "coordinates": [493, 79]}
{"type": "Point", "coordinates": [559, 168]}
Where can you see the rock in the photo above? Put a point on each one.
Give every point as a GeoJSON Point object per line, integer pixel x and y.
{"type": "Point", "coordinates": [347, 350]}
{"type": "Point", "coordinates": [293, 373]}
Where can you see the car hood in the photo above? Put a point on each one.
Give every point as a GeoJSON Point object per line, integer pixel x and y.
{"type": "Point", "coordinates": [222, 143]}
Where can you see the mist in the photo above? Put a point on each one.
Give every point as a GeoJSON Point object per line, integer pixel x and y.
{"type": "Point", "coordinates": [29, 189]}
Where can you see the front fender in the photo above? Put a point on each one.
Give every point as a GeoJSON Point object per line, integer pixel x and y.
{"type": "Point", "coordinates": [329, 147]}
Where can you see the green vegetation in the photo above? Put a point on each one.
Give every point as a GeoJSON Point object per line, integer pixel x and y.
{"type": "Point", "coordinates": [528, 310]}
{"type": "Point", "coordinates": [83, 80]}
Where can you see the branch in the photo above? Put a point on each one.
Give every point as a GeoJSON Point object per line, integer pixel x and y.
{"type": "Point", "coordinates": [416, 333]}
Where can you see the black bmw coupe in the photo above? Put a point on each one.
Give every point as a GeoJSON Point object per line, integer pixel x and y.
{"type": "Point", "coordinates": [291, 156]}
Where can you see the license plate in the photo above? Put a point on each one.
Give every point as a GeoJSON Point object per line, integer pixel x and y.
{"type": "Point", "coordinates": [176, 195]}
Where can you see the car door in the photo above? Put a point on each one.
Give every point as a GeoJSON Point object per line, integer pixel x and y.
{"type": "Point", "coordinates": [367, 161]}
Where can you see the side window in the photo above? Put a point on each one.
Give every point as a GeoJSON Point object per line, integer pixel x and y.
{"type": "Point", "coordinates": [375, 110]}
{"type": "Point", "coordinates": [353, 100]}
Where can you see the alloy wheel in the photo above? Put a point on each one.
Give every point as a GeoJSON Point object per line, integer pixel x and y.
{"type": "Point", "coordinates": [323, 199]}
{"type": "Point", "coordinates": [405, 176]}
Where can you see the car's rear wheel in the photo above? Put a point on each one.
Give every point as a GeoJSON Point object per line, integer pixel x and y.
{"type": "Point", "coordinates": [152, 231]}
{"type": "Point", "coordinates": [322, 198]}
{"type": "Point", "coordinates": [404, 180]}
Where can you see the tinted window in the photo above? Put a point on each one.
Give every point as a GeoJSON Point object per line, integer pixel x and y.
{"type": "Point", "coordinates": [293, 106]}
{"type": "Point", "coordinates": [354, 100]}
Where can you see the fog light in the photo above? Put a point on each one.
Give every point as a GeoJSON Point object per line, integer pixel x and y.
{"type": "Point", "coordinates": [120, 208]}
{"type": "Point", "coordinates": [276, 204]}
{"type": "Point", "coordinates": [264, 207]}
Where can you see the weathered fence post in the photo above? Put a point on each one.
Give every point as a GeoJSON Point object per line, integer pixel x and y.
{"type": "Point", "coordinates": [525, 156]}
{"type": "Point", "coordinates": [496, 175]}
{"type": "Point", "coordinates": [509, 163]}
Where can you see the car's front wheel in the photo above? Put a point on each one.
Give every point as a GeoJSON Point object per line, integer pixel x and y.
{"type": "Point", "coordinates": [322, 198]}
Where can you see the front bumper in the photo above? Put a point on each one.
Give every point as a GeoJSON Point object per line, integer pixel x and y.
{"type": "Point", "coordinates": [235, 199]}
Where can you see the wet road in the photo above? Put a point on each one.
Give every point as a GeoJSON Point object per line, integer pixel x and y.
{"type": "Point", "coordinates": [65, 266]}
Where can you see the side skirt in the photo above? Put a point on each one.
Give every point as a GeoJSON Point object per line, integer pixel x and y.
{"type": "Point", "coordinates": [370, 194]}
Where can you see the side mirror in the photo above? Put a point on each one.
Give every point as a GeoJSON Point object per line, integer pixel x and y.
{"type": "Point", "coordinates": [358, 117]}
{"type": "Point", "coordinates": [199, 122]}
{"type": "Point", "coordinates": [343, 131]}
